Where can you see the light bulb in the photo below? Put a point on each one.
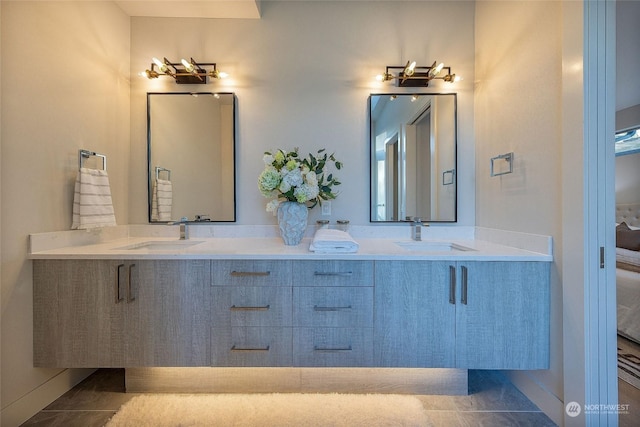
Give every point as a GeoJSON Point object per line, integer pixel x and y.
{"type": "Point", "coordinates": [187, 65]}
{"type": "Point", "coordinates": [223, 75]}
{"type": "Point", "coordinates": [161, 65]}
{"type": "Point", "coordinates": [408, 71]}
{"type": "Point", "coordinates": [380, 78]}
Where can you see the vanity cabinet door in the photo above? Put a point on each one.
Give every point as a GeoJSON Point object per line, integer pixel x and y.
{"type": "Point", "coordinates": [97, 313]}
{"type": "Point", "coordinates": [78, 313]}
{"type": "Point", "coordinates": [502, 315]}
{"type": "Point", "coordinates": [414, 323]}
{"type": "Point", "coordinates": [167, 317]}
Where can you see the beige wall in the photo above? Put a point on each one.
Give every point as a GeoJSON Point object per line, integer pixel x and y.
{"type": "Point", "coordinates": [517, 109]}
{"type": "Point", "coordinates": [65, 86]}
{"type": "Point", "coordinates": [303, 83]}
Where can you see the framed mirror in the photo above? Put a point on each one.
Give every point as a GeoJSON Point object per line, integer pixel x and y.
{"type": "Point", "coordinates": [413, 168]}
{"type": "Point", "coordinates": [191, 157]}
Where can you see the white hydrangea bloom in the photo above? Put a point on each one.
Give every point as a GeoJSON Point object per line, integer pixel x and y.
{"type": "Point", "coordinates": [272, 206]}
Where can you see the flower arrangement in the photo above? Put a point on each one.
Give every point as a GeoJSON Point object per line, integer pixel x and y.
{"type": "Point", "coordinates": [288, 177]}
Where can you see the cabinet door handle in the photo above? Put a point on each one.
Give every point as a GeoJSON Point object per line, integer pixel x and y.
{"type": "Point", "coordinates": [130, 297]}
{"type": "Point", "coordinates": [452, 284]}
{"type": "Point", "coordinates": [332, 349]}
{"type": "Point", "coordinates": [249, 308]}
{"type": "Point", "coordinates": [117, 284]}
{"type": "Point", "coordinates": [236, 348]}
{"type": "Point", "coordinates": [333, 273]}
{"type": "Point", "coordinates": [463, 298]}
{"type": "Point", "coordinates": [249, 273]}
{"type": "Point", "coordinates": [319, 308]}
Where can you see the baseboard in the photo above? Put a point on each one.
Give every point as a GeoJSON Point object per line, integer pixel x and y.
{"type": "Point", "coordinates": [33, 402]}
{"type": "Point", "coordinates": [548, 403]}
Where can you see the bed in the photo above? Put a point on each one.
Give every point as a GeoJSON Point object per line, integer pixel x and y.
{"type": "Point", "coordinates": [628, 274]}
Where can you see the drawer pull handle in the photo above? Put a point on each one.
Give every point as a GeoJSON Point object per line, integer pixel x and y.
{"type": "Point", "coordinates": [332, 349]}
{"type": "Point", "coordinates": [117, 284]}
{"type": "Point", "coordinates": [463, 298]}
{"type": "Point", "coordinates": [452, 285]}
{"type": "Point", "coordinates": [333, 273]}
{"type": "Point", "coordinates": [247, 308]}
{"type": "Point", "coordinates": [130, 297]}
{"type": "Point", "coordinates": [236, 348]}
{"type": "Point", "coordinates": [249, 273]}
{"type": "Point", "coordinates": [319, 308]}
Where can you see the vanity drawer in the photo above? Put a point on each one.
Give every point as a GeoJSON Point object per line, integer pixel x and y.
{"type": "Point", "coordinates": [337, 347]}
{"type": "Point", "coordinates": [251, 346]}
{"type": "Point", "coordinates": [333, 306]}
{"type": "Point", "coordinates": [251, 306]}
{"type": "Point", "coordinates": [333, 273]}
{"type": "Point", "coordinates": [251, 273]}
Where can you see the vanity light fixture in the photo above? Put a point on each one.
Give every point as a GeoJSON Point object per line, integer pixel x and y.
{"type": "Point", "coordinates": [412, 75]}
{"type": "Point", "coordinates": [184, 72]}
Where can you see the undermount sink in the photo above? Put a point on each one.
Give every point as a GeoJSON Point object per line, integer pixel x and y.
{"type": "Point", "coordinates": [162, 245]}
{"type": "Point", "coordinates": [431, 246]}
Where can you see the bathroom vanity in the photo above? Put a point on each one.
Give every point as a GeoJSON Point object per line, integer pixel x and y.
{"type": "Point", "coordinates": [139, 302]}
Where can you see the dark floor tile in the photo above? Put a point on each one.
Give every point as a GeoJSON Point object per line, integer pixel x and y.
{"type": "Point", "coordinates": [489, 419]}
{"type": "Point", "coordinates": [488, 391]}
{"type": "Point", "coordinates": [69, 419]}
{"type": "Point", "coordinates": [103, 390]}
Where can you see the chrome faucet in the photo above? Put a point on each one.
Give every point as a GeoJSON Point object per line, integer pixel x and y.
{"type": "Point", "coordinates": [416, 229]}
{"type": "Point", "coordinates": [184, 231]}
{"type": "Point", "coordinates": [184, 228]}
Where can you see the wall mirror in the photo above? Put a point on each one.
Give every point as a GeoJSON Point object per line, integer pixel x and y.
{"type": "Point", "coordinates": [191, 156]}
{"type": "Point", "coordinates": [413, 157]}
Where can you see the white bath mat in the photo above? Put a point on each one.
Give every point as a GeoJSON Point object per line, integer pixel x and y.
{"type": "Point", "coordinates": [270, 410]}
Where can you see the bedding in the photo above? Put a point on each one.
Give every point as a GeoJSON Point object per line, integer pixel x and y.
{"type": "Point", "coordinates": [628, 270]}
{"type": "Point", "coordinates": [628, 298]}
{"type": "Point", "coordinates": [627, 238]}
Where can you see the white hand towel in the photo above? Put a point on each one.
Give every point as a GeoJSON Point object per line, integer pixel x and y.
{"type": "Point", "coordinates": [92, 205]}
{"type": "Point", "coordinates": [161, 200]}
{"type": "Point", "coordinates": [328, 240]}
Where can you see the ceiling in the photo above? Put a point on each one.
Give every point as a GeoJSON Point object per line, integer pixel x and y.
{"type": "Point", "coordinates": [247, 9]}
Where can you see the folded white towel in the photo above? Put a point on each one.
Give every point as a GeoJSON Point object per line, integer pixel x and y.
{"type": "Point", "coordinates": [328, 240]}
{"type": "Point", "coordinates": [92, 205]}
{"type": "Point", "coordinates": [161, 200]}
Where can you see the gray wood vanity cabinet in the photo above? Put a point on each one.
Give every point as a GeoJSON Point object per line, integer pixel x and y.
{"type": "Point", "coordinates": [305, 313]}
{"type": "Point", "coordinates": [471, 315]}
{"type": "Point", "coordinates": [102, 313]}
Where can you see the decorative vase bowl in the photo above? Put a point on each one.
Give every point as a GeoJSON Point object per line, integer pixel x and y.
{"type": "Point", "coordinates": [292, 220]}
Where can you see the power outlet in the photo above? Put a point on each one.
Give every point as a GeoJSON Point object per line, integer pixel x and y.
{"type": "Point", "coordinates": [326, 208]}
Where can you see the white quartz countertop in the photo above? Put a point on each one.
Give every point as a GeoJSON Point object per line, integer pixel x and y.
{"type": "Point", "coordinates": [59, 246]}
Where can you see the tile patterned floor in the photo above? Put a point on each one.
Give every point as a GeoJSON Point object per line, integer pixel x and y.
{"type": "Point", "coordinates": [492, 401]}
